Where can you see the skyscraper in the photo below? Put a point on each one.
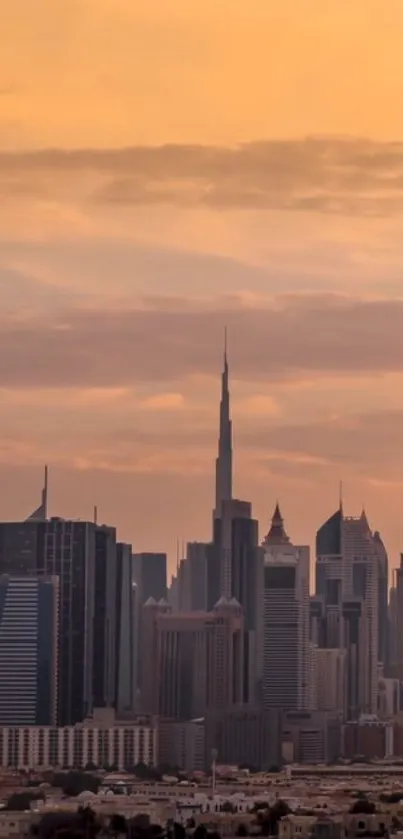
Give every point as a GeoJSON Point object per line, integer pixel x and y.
{"type": "Point", "coordinates": [351, 567]}
{"type": "Point", "coordinates": [286, 649]}
{"type": "Point", "coordinates": [191, 662]}
{"type": "Point", "coordinates": [104, 626]}
{"type": "Point", "coordinates": [150, 574]}
{"type": "Point", "coordinates": [127, 630]}
{"type": "Point", "coordinates": [28, 650]}
{"type": "Point", "coordinates": [223, 473]}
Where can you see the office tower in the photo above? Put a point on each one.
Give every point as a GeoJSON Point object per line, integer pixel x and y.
{"type": "Point", "coordinates": [398, 623]}
{"type": "Point", "coordinates": [191, 662]}
{"type": "Point", "coordinates": [351, 567]}
{"type": "Point", "coordinates": [331, 680]}
{"type": "Point", "coordinates": [20, 545]}
{"type": "Point", "coordinates": [311, 737]}
{"type": "Point", "coordinates": [148, 662]}
{"type": "Point", "coordinates": [245, 736]}
{"type": "Point", "coordinates": [70, 552]}
{"type": "Point", "coordinates": [361, 580]}
{"type": "Point", "coordinates": [392, 628]}
{"type": "Point", "coordinates": [150, 574]}
{"type": "Point", "coordinates": [223, 473]}
{"type": "Point", "coordinates": [127, 630]}
{"type": "Point", "coordinates": [383, 589]}
{"type": "Point", "coordinates": [28, 650]}
{"type": "Point", "coordinates": [104, 624]}
{"type": "Point", "coordinates": [193, 578]}
{"type": "Point", "coordinates": [286, 648]}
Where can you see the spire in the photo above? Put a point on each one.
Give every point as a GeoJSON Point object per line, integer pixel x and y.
{"type": "Point", "coordinates": [41, 513]}
{"type": "Point", "coordinates": [223, 483]}
{"type": "Point", "coordinates": [276, 534]}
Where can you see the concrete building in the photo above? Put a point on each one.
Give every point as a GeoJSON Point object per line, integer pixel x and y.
{"type": "Point", "coordinates": [368, 738]}
{"type": "Point", "coordinates": [286, 647]}
{"type": "Point", "coordinates": [311, 737]}
{"type": "Point", "coordinates": [182, 744]}
{"type": "Point", "coordinates": [244, 736]}
{"type": "Point", "coordinates": [101, 740]}
{"type": "Point", "coordinates": [29, 617]}
{"type": "Point", "coordinates": [127, 631]}
{"type": "Point", "coordinates": [388, 698]}
{"type": "Point", "coordinates": [331, 680]}
{"type": "Point", "coordinates": [191, 662]}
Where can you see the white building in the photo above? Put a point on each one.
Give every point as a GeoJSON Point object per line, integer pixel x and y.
{"type": "Point", "coordinates": [101, 741]}
{"type": "Point", "coordinates": [286, 648]}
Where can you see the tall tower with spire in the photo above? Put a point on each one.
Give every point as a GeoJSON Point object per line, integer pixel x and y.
{"type": "Point", "coordinates": [223, 475]}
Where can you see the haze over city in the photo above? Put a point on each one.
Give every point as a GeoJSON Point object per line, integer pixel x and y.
{"type": "Point", "coordinates": [168, 169]}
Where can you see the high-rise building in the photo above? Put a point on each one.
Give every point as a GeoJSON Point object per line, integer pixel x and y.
{"type": "Point", "coordinates": [383, 591]}
{"type": "Point", "coordinates": [150, 574]}
{"type": "Point", "coordinates": [193, 578]}
{"type": "Point", "coordinates": [351, 578]}
{"type": "Point", "coordinates": [104, 624]}
{"type": "Point", "coordinates": [71, 551]}
{"type": "Point", "coordinates": [127, 630]}
{"type": "Point", "coordinates": [223, 474]}
{"type": "Point", "coordinates": [191, 662]}
{"type": "Point", "coordinates": [331, 680]}
{"type": "Point", "coordinates": [286, 647]}
{"type": "Point", "coordinates": [398, 620]}
{"type": "Point", "coordinates": [247, 735]}
{"type": "Point", "coordinates": [28, 650]}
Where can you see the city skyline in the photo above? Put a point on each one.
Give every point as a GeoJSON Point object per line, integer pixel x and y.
{"type": "Point", "coordinates": [166, 173]}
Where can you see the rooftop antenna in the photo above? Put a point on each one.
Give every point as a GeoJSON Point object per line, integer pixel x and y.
{"type": "Point", "coordinates": [95, 514]}
{"type": "Point", "coordinates": [341, 496]}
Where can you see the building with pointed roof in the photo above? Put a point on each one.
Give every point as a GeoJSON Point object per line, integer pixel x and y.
{"type": "Point", "coordinates": [285, 669]}
{"type": "Point", "coordinates": [223, 472]}
{"type": "Point", "coordinates": [276, 534]}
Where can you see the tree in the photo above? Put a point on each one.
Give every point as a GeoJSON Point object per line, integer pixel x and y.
{"type": "Point", "coordinates": [22, 800]}
{"type": "Point", "coordinates": [363, 805]}
{"type": "Point", "coordinates": [227, 807]}
{"type": "Point", "coordinates": [118, 824]}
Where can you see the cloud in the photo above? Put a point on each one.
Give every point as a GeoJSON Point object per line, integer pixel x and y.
{"type": "Point", "coordinates": [282, 339]}
{"type": "Point", "coordinates": [327, 175]}
{"type": "Point", "coordinates": [163, 402]}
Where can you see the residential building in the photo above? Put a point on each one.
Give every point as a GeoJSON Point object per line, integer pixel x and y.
{"type": "Point", "coordinates": [101, 740]}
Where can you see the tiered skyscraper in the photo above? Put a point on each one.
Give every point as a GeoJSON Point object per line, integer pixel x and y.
{"type": "Point", "coordinates": [223, 470]}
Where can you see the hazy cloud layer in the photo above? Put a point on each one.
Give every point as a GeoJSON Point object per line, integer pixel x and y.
{"type": "Point", "coordinates": [329, 175]}
{"type": "Point", "coordinates": [282, 339]}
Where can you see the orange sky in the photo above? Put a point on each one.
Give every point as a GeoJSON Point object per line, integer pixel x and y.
{"type": "Point", "coordinates": [120, 264]}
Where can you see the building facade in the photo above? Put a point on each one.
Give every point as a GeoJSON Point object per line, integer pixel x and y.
{"type": "Point", "coordinates": [29, 616]}
{"type": "Point", "coordinates": [286, 648]}
{"type": "Point", "coordinates": [102, 745]}
{"type": "Point", "coordinates": [191, 662]}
